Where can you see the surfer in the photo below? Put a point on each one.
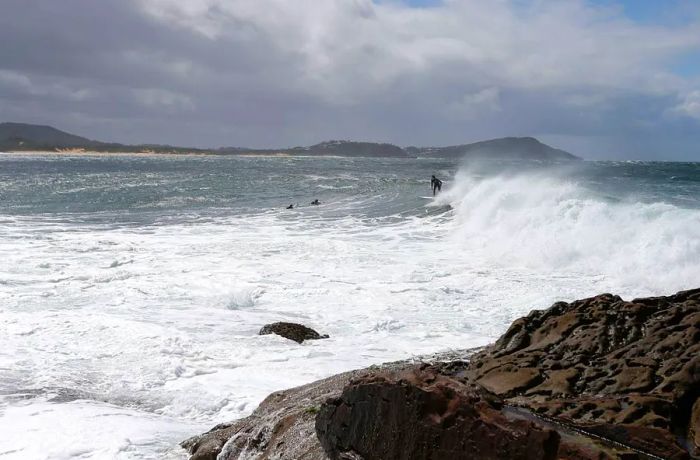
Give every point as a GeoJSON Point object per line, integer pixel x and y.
{"type": "Point", "coordinates": [316, 202]}
{"type": "Point", "coordinates": [291, 206]}
{"type": "Point", "coordinates": [436, 184]}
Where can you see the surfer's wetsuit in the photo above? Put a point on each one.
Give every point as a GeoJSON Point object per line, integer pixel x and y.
{"type": "Point", "coordinates": [436, 184]}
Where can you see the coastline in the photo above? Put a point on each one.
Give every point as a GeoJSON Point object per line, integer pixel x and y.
{"type": "Point", "coordinates": [92, 153]}
{"type": "Point", "coordinates": [80, 153]}
{"type": "Point", "coordinates": [147, 154]}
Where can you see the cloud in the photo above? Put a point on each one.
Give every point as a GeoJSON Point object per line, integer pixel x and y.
{"type": "Point", "coordinates": [275, 72]}
{"type": "Point", "coordinates": [690, 105]}
{"type": "Point", "coordinates": [473, 105]}
{"type": "Point", "coordinates": [154, 97]}
{"type": "Point", "coordinates": [544, 44]}
{"type": "Point", "coordinates": [14, 81]}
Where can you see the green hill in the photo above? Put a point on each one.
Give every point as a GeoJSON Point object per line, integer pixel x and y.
{"type": "Point", "coordinates": [22, 136]}
{"type": "Point", "coordinates": [506, 148]}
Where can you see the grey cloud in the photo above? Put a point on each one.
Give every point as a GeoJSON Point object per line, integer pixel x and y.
{"type": "Point", "coordinates": [279, 73]}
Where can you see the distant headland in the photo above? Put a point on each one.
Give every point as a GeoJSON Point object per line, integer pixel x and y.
{"type": "Point", "coordinates": [22, 137]}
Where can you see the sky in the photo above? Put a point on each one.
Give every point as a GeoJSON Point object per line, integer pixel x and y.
{"type": "Point", "coordinates": [603, 79]}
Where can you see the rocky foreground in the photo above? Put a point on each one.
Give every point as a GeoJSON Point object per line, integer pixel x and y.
{"type": "Point", "coordinates": [599, 378]}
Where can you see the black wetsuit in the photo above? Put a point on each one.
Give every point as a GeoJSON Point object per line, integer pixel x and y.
{"type": "Point", "coordinates": [436, 184]}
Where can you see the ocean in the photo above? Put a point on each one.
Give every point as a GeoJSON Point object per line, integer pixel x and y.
{"type": "Point", "coordinates": [132, 288]}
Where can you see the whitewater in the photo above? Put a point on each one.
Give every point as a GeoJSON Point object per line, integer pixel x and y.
{"type": "Point", "coordinates": [132, 289]}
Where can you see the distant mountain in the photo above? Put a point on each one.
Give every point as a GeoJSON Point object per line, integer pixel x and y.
{"type": "Point", "coordinates": [505, 148]}
{"type": "Point", "coordinates": [21, 136]}
{"type": "Point", "coordinates": [24, 137]}
{"type": "Point", "coordinates": [27, 137]}
{"type": "Point", "coordinates": [329, 148]}
{"type": "Point", "coordinates": [353, 149]}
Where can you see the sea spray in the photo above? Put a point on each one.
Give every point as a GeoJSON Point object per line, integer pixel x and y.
{"type": "Point", "coordinates": [546, 220]}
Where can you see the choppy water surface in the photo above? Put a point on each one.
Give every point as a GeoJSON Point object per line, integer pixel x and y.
{"type": "Point", "coordinates": [132, 288]}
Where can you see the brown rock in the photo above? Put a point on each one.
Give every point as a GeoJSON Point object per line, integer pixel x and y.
{"type": "Point", "coordinates": [694, 427]}
{"type": "Point", "coordinates": [623, 369]}
{"type": "Point", "coordinates": [557, 382]}
{"type": "Point", "coordinates": [419, 414]}
{"type": "Point", "coordinates": [611, 378]}
{"type": "Point", "coordinates": [509, 379]}
{"type": "Point", "coordinates": [281, 427]}
{"type": "Point", "coordinates": [631, 379]}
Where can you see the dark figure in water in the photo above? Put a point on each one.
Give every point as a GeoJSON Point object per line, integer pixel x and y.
{"type": "Point", "coordinates": [436, 184]}
{"type": "Point", "coordinates": [316, 202]}
{"type": "Point", "coordinates": [291, 206]}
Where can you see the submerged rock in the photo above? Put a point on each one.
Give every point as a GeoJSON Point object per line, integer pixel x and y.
{"type": "Point", "coordinates": [292, 331]}
{"type": "Point", "coordinates": [598, 378]}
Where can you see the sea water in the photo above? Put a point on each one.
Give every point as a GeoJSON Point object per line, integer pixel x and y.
{"type": "Point", "coordinates": [132, 289]}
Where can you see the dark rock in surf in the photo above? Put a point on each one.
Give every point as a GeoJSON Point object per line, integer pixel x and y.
{"type": "Point", "coordinates": [292, 331]}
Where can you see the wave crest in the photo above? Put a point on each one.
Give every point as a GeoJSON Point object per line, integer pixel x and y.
{"type": "Point", "coordinates": [551, 223]}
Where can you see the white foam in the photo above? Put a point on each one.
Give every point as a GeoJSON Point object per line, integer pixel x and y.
{"type": "Point", "coordinates": [243, 297]}
{"type": "Point", "coordinates": [157, 327]}
{"type": "Point", "coordinates": [553, 226]}
{"type": "Point", "coordinates": [83, 429]}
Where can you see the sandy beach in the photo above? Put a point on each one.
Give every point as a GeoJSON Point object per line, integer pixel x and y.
{"type": "Point", "coordinates": [91, 153]}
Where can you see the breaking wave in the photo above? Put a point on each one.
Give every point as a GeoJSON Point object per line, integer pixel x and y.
{"type": "Point", "coordinates": [551, 223]}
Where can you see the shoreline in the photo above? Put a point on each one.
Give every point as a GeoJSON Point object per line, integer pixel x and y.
{"type": "Point", "coordinates": [91, 153]}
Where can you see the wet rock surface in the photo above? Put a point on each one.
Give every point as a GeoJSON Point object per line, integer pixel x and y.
{"type": "Point", "coordinates": [628, 371]}
{"type": "Point", "coordinates": [420, 413]}
{"type": "Point", "coordinates": [291, 331]}
{"type": "Point", "coordinates": [283, 425]}
{"type": "Point", "coordinates": [598, 378]}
